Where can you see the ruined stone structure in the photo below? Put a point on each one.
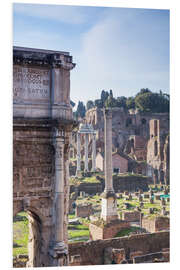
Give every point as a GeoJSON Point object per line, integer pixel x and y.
{"type": "Point", "coordinates": [84, 210]}
{"type": "Point", "coordinates": [119, 163]}
{"type": "Point", "coordinates": [86, 130]}
{"type": "Point", "coordinates": [92, 253]}
{"type": "Point", "coordinates": [158, 151]}
{"type": "Point", "coordinates": [124, 125]}
{"type": "Point", "coordinates": [42, 124]}
{"type": "Point", "coordinates": [155, 224]}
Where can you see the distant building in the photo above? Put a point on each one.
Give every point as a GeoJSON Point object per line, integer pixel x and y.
{"type": "Point", "coordinates": [158, 152]}
{"type": "Point", "coordinates": [120, 164]}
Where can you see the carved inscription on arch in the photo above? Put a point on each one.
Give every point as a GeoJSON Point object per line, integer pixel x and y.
{"type": "Point", "coordinates": [31, 84]}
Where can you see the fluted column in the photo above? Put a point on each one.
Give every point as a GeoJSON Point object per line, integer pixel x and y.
{"type": "Point", "coordinates": [94, 152]}
{"type": "Point", "coordinates": [78, 154]}
{"type": "Point", "coordinates": [60, 248]}
{"type": "Point", "coordinates": [86, 153]}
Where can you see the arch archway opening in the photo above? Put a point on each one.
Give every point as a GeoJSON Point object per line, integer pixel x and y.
{"type": "Point", "coordinates": [26, 239]}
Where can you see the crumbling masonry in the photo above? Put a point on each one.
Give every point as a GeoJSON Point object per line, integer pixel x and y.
{"type": "Point", "coordinates": [42, 125]}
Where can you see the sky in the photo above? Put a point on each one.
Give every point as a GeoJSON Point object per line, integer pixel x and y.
{"type": "Point", "coordinates": [123, 49]}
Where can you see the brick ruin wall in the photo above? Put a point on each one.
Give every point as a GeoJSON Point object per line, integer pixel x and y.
{"type": "Point", "coordinates": [131, 216]}
{"type": "Point", "coordinates": [108, 231]}
{"type": "Point", "coordinates": [92, 252]}
{"type": "Point", "coordinates": [124, 124]}
{"type": "Point", "coordinates": [33, 185]}
{"type": "Point", "coordinates": [155, 224]}
{"type": "Point", "coordinates": [83, 210]}
{"type": "Point", "coordinates": [120, 184]}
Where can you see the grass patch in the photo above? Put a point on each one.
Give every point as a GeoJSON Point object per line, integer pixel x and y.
{"type": "Point", "coordinates": [127, 231]}
{"type": "Point", "coordinates": [20, 234]}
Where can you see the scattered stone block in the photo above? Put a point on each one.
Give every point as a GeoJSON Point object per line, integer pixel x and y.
{"type": "Point", "coordinates": [140, 198]}
{"type": "Point", "coordinates": [163, 211]}
{"type": "Point", "coordinates": [131, 216]}
{"type": "Point", "coordinates": [163, 202]}
{"type": "Point", "coordinates": [126, 193]}
{"type": "Point", "coordinates": [146, 196]}
{"type": "Point", "coordinates": [151, 200]}
{"type": "Point", "coordinates": [151, 211]}
{"type": "Point", "coordinates": [157, 197]}
{"type": "Point", "coordinates": [168, 199]}
{"type": "Point", "coordinates": [118, 255]}
{"type": "Point", "coordinates": [141, 204]}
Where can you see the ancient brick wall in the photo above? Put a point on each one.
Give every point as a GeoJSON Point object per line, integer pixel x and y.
{"type": "Point", "coordinates": [157, 151]}
{"type": "Point", "coordinates": [125, 123]}
{"type": "Point", "coordinates": [119, 162]}
{"type": "Point", "coordinates": [130, 183]}
{"type": "Point", "coordinates": [155, 224]}
{"type": "Point", "coordinates": [92, 252]}
{"type": "Point", "coordinates": [83, 210]}
{"type": "Point", "coordinates": [107, 231]}
{"type": "Point", "coordinates": [131, 216]}
{"type": "Point", "coordinates": [33, 174]}
{"type": "Point", "coordinates": [120, 183]}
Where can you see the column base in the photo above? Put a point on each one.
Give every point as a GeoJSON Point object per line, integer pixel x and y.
{"type": "Point", "coordinates": [59, 252]}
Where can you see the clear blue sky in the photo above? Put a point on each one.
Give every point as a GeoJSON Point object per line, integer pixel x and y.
{"type": "Point", "coordinates": [122, 49]}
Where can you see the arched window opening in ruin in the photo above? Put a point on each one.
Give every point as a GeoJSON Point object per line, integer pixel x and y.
{"type": "Point", "coordinates": [94, 120]}
{"type": "Point", "coordinates": [26, 240]}
{"type": "Point", "coordinates": [156, 176]}
{"type": "Point", "coordinates": [128, 122]}
{"type": "Point", "coordinates": [155, 148]}
{"type": "Point", "coordinates": [162, 177]}
{"type": "Point", "coordinates": [116, 170]}
{"type": "Point", "coordinates": [143, 121]}
{"type": "Point", "coordinates": [132, 143]}
{"type": "Point", "coordinates": [155, 128]}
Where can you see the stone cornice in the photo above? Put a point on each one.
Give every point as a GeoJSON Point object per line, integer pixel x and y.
{"type": "Point", "coordinates": [42, 58]}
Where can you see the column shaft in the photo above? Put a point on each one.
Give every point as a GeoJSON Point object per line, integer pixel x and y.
{"type": "Point", "coordinates": [59, 190]}
{"type": "Point", "coordinates": [86, 153]}
{"type": "Point", "coordinates": [108, 150]}
{"type": "Point", "coordinates": [78, 153]}
{"type": "Point", "coordinates": [94, 152]}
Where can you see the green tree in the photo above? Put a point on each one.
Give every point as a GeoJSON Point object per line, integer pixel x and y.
{"type": "Point", "coordinates": [130, 103]}
{"type": "Point", "coordinates": [152, 102]}
{"type": "Point", "coordinates": [121, 102]}
{"type": "Point", "coordinates": [81, 110]}
{"type": "Point", "coordinates": [89, 105]}
{"type": "Point", "coordinates": [98, 103]}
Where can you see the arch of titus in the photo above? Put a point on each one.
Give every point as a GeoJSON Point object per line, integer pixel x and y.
{"type": "Point", "coordinates": [42, 125]}
{"type": "Point", "coordinates": [86, 130]}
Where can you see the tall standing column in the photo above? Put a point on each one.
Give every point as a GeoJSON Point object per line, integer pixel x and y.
{"type": "Point", "coordinates": [94, 152]}
{"type": "Point", "coordinates": [86, 153]}
{"type": "Point", "coordinates": [108, 150]}
{"type": "Point", "coordinates": [78, 154]}
{"type": "Point", "coordinates": [60, 248]}
{"type": "Point", "coordinates": [109, 202]}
